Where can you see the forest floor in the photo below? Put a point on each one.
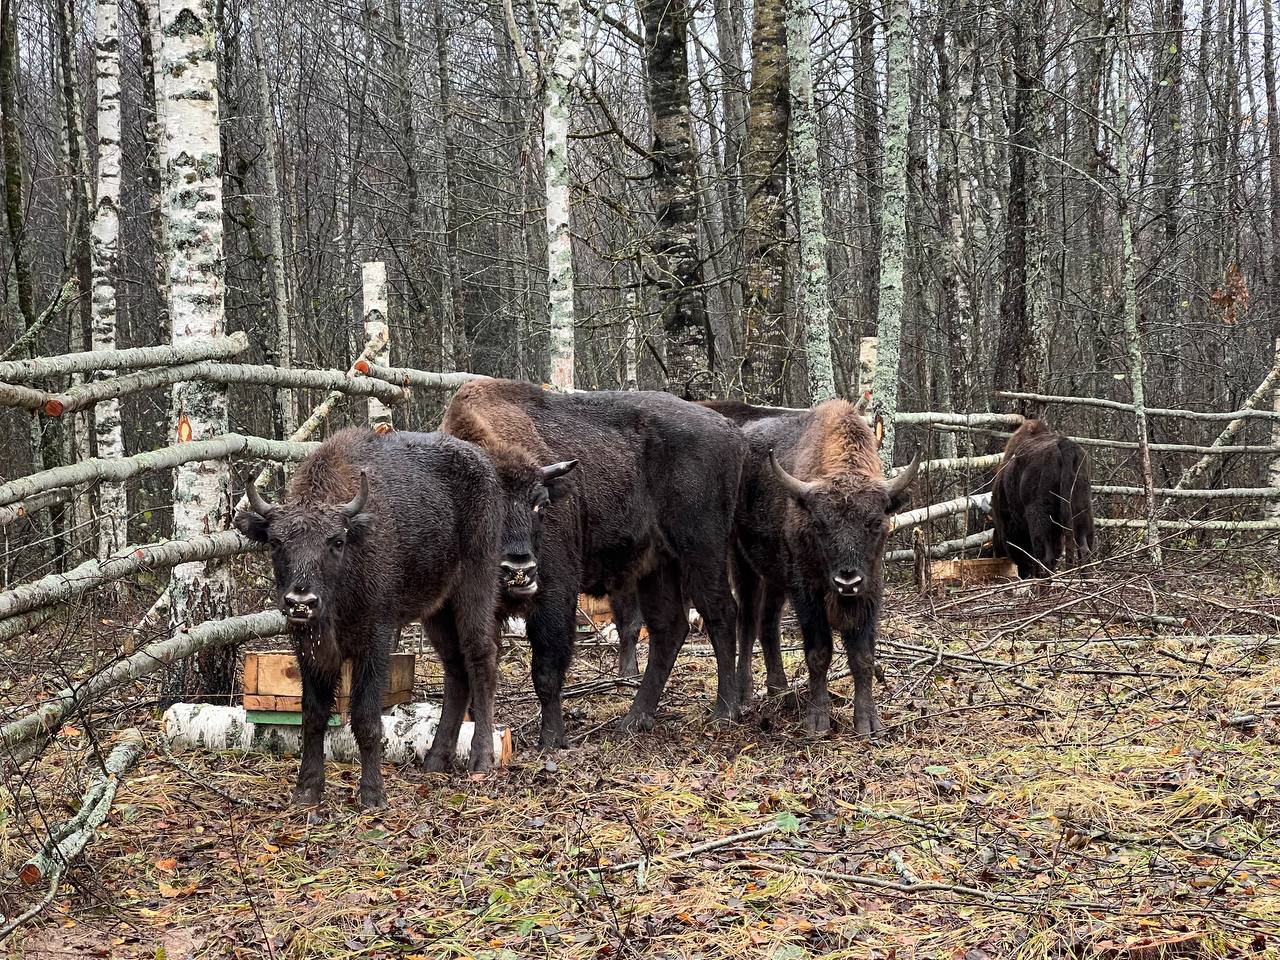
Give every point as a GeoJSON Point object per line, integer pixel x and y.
{"type": "Point", "coordinates": [1087, 768]}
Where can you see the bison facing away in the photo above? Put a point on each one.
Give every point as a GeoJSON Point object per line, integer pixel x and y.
{"type": "Point", "coordinates": [649, 510]}
{"type": "Point", "coordinates": [376, 532]}
{"type": "Point", "coordinates": [1041, 495]}
{"type": "Point", "coordinates": [812, 526]}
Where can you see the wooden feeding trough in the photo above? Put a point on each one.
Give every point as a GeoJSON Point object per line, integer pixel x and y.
{"type": "Point", "coordinates": [974, 572]}
{"type": "Point", "coordinates": [273, 685]}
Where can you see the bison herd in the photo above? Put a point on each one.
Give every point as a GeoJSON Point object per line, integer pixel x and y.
{"type": "Point", "coordinates": [526, 498]}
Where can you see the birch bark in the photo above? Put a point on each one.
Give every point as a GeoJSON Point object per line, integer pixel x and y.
{"type": "Point", "coordinates": [374, 287]}
{"type": "Point", "coordinates": [193, 210]}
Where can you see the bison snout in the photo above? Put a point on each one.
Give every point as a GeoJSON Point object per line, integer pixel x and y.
{"type": "Point", "coordinates": [301, 606]}
{"type": "Point", "coordinates": [520, 577]}
{"type": "Point", "coordinates": [848, 583]}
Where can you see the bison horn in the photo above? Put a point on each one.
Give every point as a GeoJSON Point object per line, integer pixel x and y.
{"type": "Point", "coordinates": [898, 485]}
{"type": "Point", "coordinates": [256, 501]}
{"type": "Point", "coordinates": [557, 470]}
{"type": "Point", "coordinates": [797, 488]}
{"type": "Point", "coordinates": [356, 504]}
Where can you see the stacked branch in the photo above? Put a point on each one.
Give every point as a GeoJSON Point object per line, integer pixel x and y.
{"type": "Point", "coordinates": [135, 358]}
{"type": "Point", "coordinates": [910, 518]}
{"type": "Point", "coordinates": [409, 377]}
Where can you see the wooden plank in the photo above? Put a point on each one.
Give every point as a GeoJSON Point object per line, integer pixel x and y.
{"type": "Point", "coordinates": [400, 676]}
{"type": "Point", "coordinates": [275, 674]}
{"type": "Point", "coordinates": [284, 717]}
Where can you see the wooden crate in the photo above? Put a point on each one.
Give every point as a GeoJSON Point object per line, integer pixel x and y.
{"type": "Point", "coordinates": [594, 613]}
{"type": "Point", "coordinates": [273, 682]}
{"type": "Point", "coordinates": [971, 573]}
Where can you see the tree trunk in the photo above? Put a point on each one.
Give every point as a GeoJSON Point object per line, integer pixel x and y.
{"type": "Point", "coordinates": [764, 235]}
{"type": "Point", "coordinates": [815, 293]}
{"type": "Point", "coordinates": [674, 267]}
{"type": "Point", "coordinates": [893, 227]}
{"type": "Point", "coordinates": [113, 506]}
{"type": "Point", "coordinates": [1022, 352]}
{"type": "Point", "coordinates": [558, 86]}
{"type": "Point", "coordinates": [374, 289]}
{"type": "Point", "coordinates": [286, 402]}
{"type": "Point", "coordinates": [193, 208]}
{"type": "Point", "coordinates": [454, 353]}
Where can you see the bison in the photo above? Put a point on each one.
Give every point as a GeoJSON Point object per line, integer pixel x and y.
{"type": "Point", "coordinates": [812, 524]}
{"type": "Point", "coordinates": [376, 532]}
{"type": "Point", "coordinates": [1041, 493]}
{"type": "Point", "coordinates": [649, 509]}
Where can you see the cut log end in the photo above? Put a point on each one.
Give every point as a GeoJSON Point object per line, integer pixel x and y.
{"type": "Point", "coordinates": [31, 874]}
{"type": "Point", "coordinates": [361, 366]}
{"type": "Point", "coordinates": [53, 407]}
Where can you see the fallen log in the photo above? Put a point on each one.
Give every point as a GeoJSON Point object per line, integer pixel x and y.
{"type": "Point", "coordinates": [961, 463]}
{"type": "Point", "coordinates": [86, 395]}
{"type": "Point", "coordinates": [980, 501]}
{"type": "Point", "coordinates": [134, 358]}
{"type": "Point", "coordinates": [409, 377]}
{"type": "Point", "coordinates": [42, 501]}
{"type": "Point", "coordinates": [17, 626]}
{"type": "Point", "coordinates": [48, 717]}
{"type": "Point", "coordinates": [945, 548]}
{"type": "Point", "coordinates": [59, 587]}
{"type": "Point", "coordinates": [407, 733]}
{"type": "Point", "coordinates": [1242, 525]}
{"type": "Point", "coordinates": [122, 468]}
{"type": "Point", "coordinates": [1150, 411]}
{"type": "Point", "coordinates": [69, 840]}
{"type": "Point", "coordinates": [1221, 493]}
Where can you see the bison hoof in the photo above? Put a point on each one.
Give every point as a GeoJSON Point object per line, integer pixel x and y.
{"type": "Point", "coordinates": [865, 725]}
{"type": "Point", "coordinates": [306, 796]}
{"type": "Point", "coordinates": [481, 763]}
{"type": "Point", "coordinates": [436, 763]}
{"type": "Point", "coordinates": [730, 713]}
{"type": "Point", "coordinates": [553, 740]}
{"type": "Point", "coordinates": [636, 723]}
{"type": "Point", "coordinates": [372, 798]}
{"type": "Point", "coordinates": [818, 722]}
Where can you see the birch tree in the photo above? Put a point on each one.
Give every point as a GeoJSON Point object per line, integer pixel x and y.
{"type": "Point", "coordinates": [893, 227]}
{"type": "Point", "coordinates": [374, 288]}
{"type": "Point", "coordinates": [193, 207]}
{"type": "Point", "coordinates": [764, 250]}
{"type": "Point", "coordinates": [558, 83]}
{"type": "Point", "coordinates": [674, 266]}
{"type": "Point", "coordinates": [1273, 171]}
{"type": "Point", "coordinates": [113, 507]}
{"type": "Point", "coordinates": [815, 295]}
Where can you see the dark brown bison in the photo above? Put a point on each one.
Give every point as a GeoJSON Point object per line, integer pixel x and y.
{"type": "Point", "coordinates": [649, 509]}
{"type": "Point", "coordinates": [376, 532]}
{"type": "Point", "coordinates": [812, 524]}
{"type": "Point", "coordinates": [626, 606]}
{"type": "Point", "coordinates": [1041, 494]}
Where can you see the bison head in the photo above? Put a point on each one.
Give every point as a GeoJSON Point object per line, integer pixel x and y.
{"type": "Point", "coordinates": [309, 546]}
{"type": "Point", "coordinates": [529, 491]}
{"type": "Point", "coordinates": [846, 521]}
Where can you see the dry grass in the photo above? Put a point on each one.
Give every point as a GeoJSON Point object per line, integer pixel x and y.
{"type": "Point", "coordinates": [1064, 784]}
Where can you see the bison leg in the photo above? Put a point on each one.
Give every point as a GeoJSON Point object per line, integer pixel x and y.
{"type": "Point", "coordinates": [860, 647]}
{"type": "Point", "coordinates": [368, 681]}
{"type": "Point", "coordinates": [667, 616]}
{"type": "Point", "coordinates": [707, 578]}
{"type": "Point", "coordinates": [1043, 538]}
{"type": "Point", "coordinates": [444, 637]}
{"type": "Point", "coordinates": [626, 618]}
{"type": "Point", "coordinates": [478, 637]}
{"type": "Point", "coordinates": [550, 629]}
{"type": "Point", "coordinates": [317, 705]}
{"type": "Point", "coordinates": [770, 623]}
{"type": "Point", "coordinates": [817, 655]}
{"type": "Point", "coordinates": [750, 595]}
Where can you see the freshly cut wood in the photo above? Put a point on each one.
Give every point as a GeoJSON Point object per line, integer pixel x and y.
{"type": "Point", "coordinates": [215, 448]}
{"type": "Point", "coordinates": [971, 572]}
{"type": "Point", "coordinates": [79, 398]}
{"type": "Point", "coordinates": [273, 681]}
{"type": "Point", "coordinates": [981, 501]}
{"type": "Point", "coordinates": [67, 841]}
{"type": "Point", "coordinates": [150, 659]}
{"type": "Point", "coordinates": [42, 501]}
{"type": "Point", "coordinates": [407, 733]}
{"type": "Point", "coordinates": [57, 587]}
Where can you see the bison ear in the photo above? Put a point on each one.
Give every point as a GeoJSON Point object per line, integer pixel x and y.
{"type": "Point", "coordinates": [358, 527]}
{"type": "Point", "coordinates": [252, 524]}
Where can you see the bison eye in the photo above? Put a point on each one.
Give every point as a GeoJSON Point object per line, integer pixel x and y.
{"type": "Point", "coordinates": [337, 543]}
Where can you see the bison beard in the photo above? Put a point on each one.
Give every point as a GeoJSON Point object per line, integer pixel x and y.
{"type": "Point", "coordinates": [1041, 494]}
{"type": "Point", "coordinates": [812, 525]}
{"type": "Point", "coordinates": [649, 511]}
{"type": "Point", "coordinates": [415, 539]}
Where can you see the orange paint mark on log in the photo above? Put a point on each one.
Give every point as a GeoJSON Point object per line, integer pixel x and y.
{"type": "Point", "coordinates": [362, 366]}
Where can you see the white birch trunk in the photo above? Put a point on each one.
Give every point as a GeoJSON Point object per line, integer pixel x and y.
{"type": "Point", "coordinates": [155, 126]}
{"type": "Point", "coordinates": [193, 210]}
{"type": "Point", "coordinates": [1272, 509]}
{"type": "Point", "coordinates": [374, 286]}
{"type": "Point", "coordinates": [893, 227]}
{"type": "Point", "coordinates": [113, 506]}
{"type": "Point", "coordinates": [558, 83]}
{"type": "Point", "coordinates": [867, 350]}
{"type": "Point", "coordinates": [813, 238]}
